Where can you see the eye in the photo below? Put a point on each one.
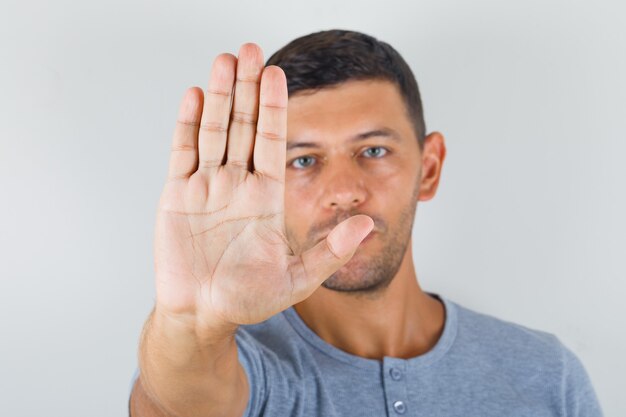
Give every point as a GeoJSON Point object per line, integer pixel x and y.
{"type": "Point", "coordinates": [375, 152]}
{"type": "Point", "coordinates": [304, 162]}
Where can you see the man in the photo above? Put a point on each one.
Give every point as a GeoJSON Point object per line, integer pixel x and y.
{"type": "Point", "coordinates": [285, 281]}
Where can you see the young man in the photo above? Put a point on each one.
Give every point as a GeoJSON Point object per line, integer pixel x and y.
{"type": "Point", "coordinates": [284, 271]}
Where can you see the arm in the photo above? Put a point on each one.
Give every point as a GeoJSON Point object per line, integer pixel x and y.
{"type": "Point", "coordinates": [182, 375]}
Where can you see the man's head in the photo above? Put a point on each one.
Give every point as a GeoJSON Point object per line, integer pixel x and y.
{"type": "Point", "coordinates": [332, 57]}
{"type": "Point", "coordinates": [355, 145]}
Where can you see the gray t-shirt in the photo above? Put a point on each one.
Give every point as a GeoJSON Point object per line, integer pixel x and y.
{"type": "Point", "coordinates": [481, 366]}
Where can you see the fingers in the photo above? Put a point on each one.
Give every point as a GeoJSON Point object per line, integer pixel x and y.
{"type": "Point", "coordinates": [245, 109]}
{"type": "Point", "coordinates": [315, 265]}
{"type": "Point", "coordinates": [210, 131]}
{"type": "Point", "coordinates": [184, 154]}
{"type": "Point", "coordinates": [212, 136]}
{"type": "Point", "coordinates": [270, 141]}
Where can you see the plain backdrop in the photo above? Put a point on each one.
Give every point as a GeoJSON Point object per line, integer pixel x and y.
{"type": "Point", "coordinates": [528, 223]}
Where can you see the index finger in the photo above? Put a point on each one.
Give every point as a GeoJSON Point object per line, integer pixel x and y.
{"type": "Point", "coordinates": [271, 132]}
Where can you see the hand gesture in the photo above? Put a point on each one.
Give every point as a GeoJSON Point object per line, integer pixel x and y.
{"type": "Point", "coordinates": [221, 253]}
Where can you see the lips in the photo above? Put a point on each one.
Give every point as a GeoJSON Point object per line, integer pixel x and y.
{"type": "Point", "coordinates": [366, 239]}
{"type": "Point", "coordinates": [369, 236]}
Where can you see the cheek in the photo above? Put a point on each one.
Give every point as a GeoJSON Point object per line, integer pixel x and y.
{"type": "Point", "coordinates": [391, 169]}
{"type": "Point", "coordinates": [392, 195]}
{"type": "Point", "coordinates": [389, 182]}
{"type": "Point", "coordinates": [300, 191]}
{"type": "Point", "coordinates": [299, 206]}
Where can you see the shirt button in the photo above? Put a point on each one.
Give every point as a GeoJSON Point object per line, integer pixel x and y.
{"type": "Point", "coordinates": [399, 407]}
{"type": "Point", "coordinates": [395, 374]}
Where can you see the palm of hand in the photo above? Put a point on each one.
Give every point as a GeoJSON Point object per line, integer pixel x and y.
{"type": "Point", "coordinates": [228, 248]}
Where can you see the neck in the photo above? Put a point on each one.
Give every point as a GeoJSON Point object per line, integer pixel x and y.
{"type": "Point", "coordinates": [399, 321]}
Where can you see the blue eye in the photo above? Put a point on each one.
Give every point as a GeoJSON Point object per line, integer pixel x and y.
{"type": "Point", "coordinates": [380, 151]}
{"type": "Point", "coordinates": [310, 159]}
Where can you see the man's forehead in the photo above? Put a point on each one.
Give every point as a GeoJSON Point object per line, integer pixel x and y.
{"type": "Point", "coordinates": [354, 110]}
{"type": "Point", "coordinates": [344, 89]}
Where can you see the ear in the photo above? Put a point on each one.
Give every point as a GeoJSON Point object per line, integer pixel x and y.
{"type": "Point", "coordinates": [433, 154]}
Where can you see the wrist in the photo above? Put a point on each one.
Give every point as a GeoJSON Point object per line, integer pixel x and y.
{"type": "Point", "coordinates": [200, 330]}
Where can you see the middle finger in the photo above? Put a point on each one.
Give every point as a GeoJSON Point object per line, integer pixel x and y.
{"type": "Point", "coordinates": [245, 109]}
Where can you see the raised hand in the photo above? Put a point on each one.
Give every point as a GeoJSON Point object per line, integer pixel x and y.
{"type": "Point", "coordinates": [221, 253]}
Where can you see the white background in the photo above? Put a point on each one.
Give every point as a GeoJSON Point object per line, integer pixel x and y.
{"type": "Point", "coordinates": [528, 224]}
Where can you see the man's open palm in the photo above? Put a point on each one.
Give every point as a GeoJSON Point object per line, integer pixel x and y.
{"type": "Point", "coordinates": [221, 252]}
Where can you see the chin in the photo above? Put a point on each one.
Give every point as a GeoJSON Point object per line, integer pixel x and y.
{"type": "Point", "coordinates": [354, 276]}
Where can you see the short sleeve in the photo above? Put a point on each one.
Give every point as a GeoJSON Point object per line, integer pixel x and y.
{"type": "Point", "coordinates": [579, 396]}
{"type": "Point", "coordinates": [250, 359]}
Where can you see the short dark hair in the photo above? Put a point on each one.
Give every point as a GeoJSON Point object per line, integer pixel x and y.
{"type": "Point", "coordinates": [326, 58]}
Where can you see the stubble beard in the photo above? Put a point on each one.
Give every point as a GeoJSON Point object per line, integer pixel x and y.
{"type": "Point", "coordinates": [370, 275]}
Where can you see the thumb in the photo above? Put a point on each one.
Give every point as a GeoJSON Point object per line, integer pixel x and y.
{"type": "Point", "coordinates": [322, 260]}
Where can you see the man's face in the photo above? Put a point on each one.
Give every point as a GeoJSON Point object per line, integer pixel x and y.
{"type": "Point", "coordinates": [351, 149]}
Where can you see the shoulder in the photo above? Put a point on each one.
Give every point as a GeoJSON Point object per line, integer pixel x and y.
{"type": "Point", "coordinates": [273, 346]}
{"type": "Point", "coordinates": [494, 334]}
{"type": "Point", "coordinates": [527, 358]}
{"type": "Point", "coordinates": [274, 358]}
{"type": "Point", "coordinates": [515, 352]}
{"type": "Point", "coordinates": [274, 334]}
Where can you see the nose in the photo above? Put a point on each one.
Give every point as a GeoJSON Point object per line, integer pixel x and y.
{"type": "Point", "coordinates": [345, 188]}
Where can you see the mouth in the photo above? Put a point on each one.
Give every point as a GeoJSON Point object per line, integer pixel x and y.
{"type": "Point", "coordinates": [367, 238]}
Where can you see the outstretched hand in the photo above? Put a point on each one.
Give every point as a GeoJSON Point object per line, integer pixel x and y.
{"type": "Point", "coordinates": [221, 253]}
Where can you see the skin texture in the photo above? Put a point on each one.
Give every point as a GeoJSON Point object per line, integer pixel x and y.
{"type": "Point", "coordinates": [243, 233]}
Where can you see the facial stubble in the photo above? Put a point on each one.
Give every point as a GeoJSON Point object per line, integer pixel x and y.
{"type": "Point", "coordinates": [369, 275]}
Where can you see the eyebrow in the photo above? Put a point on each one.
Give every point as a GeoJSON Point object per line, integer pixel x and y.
{"type": "Point", "coordinates": [384, 132]}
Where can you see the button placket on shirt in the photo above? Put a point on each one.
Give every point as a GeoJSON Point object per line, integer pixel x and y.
{"type": "Point", "coordinates": [395, 385]}
{"type": "Point", "coordinates": [395, 373]}
{"type": "Point", "coordinates": [399, 407]}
